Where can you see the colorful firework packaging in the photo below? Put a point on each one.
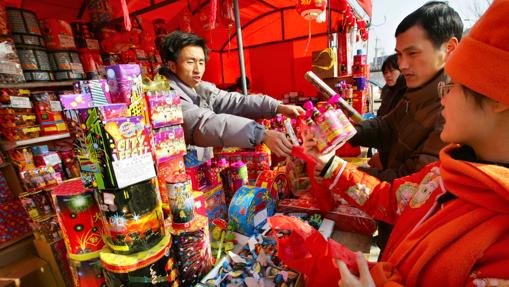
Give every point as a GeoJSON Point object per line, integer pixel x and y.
{"type": "Point", "coordinates": [88, 273]}
{"type": "Point", "coordinates": [256, 264]}
{"type": "Point", "coordinates": [132, 217]}
{"type": "Point", "coordinates": [238, 174]}
{"type": "Point", "coordinates": [153, 267]}
{"type": "Point", "coordinates": [173, 167]}
{"type": "Point", "coordinates": [181, 199]}
{"type": "Point", "coordinates": [276, 182]}
{"type": "Point", "coordinates": [80, 219]}
{"type": "Point", "coordinates": [216, 203]}
{"type": "Point", "coordinates": [250, 208]}
{"type": "Point", "coordinates": [192, 250]}
{"type": "Point", "coordinates": [168, 142]}
{"type": "Point", "coordinates": [164, 108]}
{"type": "Point", "coordinates": [126, 86]}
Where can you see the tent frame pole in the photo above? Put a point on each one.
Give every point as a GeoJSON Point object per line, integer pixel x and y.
{"type": "Point", "coordinates": [240, 47]}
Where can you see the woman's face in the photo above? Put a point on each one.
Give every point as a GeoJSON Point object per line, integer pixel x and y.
{"type": "Point", "coordinates": [466, 122]}
{"type": "Point", "coordinates": [391, 76]}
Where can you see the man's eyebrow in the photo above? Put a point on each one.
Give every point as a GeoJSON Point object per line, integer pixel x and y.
{"type": "Point", "coordinates": [413, 47]}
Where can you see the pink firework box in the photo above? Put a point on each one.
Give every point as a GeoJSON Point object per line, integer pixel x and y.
{"type": "Point", "coordinates": [122, 79]}
{"type": "Point", "coordinates": [164, 108]}
{"type": "Point", "coordinates": [76, 101]}
{"type": "Point", "coordinates": [168, 142]}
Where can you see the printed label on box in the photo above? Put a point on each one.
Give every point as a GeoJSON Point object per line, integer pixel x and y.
{"type": "Point", "coordinates": [66, 41]}
{"type": "Point", "coordinates": [260, 217]}
{"type": "Point", "coordinates": [9, 68]}
{"type": "Point", "coordinates": [20, 102]}
{"type": "Point", "coordinates": [92, 44]}
{"type": "Point", "coordinates": [77, 67]}
{"type": "Point", "coordinates": [133, 170]}
{"type": "Point", "coordinates": [55, 106]}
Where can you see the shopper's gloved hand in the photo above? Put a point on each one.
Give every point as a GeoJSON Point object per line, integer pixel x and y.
{"type": "Point", "coordinates": [290, 111]}
{"type": "Point", "coordinates": [277, 143]}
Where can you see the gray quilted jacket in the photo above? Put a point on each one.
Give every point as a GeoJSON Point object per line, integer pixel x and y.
{"type": "Point", "coordinates": [213, 117]}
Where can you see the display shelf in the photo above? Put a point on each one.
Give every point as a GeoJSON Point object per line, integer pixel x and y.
{"type": "Point", "coordinates": [14, 241]}
{"type": "Point", "coordinates": [7, 145]}
{"type": "Point", "coordinates": [37, 85]}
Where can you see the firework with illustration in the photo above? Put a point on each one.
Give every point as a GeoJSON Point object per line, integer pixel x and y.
{"type": "Point", "coordinates": [168, 142]}
{"type": "Point", "coordinates": [79, 217]}
{"type": "Point", "coordinates": [181, 199]}
{"type": "Point", "coordinates": [164, 108]}
{"type": "Point", "coordinates": [132, 217]}
{"type": "Point", "coordinates": [152, 267]}
{"type": "Point", "coordinates": [250, 208]}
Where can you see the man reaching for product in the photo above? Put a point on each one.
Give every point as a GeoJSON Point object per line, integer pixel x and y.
{"type": "Point", "coordinates": [213, 117]}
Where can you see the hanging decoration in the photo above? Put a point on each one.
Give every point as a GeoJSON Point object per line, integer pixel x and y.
{"type": "Point", "coordinates": [310, 9]}
{"type": "Point", "coordinates": [362, 28]}
{"type": "Point", "coordinates": [127, 19]}
{"type": "Point", "coordinates": [185, 19]}
{"type": "Point", "coordinates": [227, 18]}
{"type": "Point", "coordinates": [213, 14]}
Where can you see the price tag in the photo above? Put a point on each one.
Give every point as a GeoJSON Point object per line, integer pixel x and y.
{"type": "Point", "coordinates": [55, 106]}
{"type": "Point", "coordinates": [20, 102]}
{"type": "Point", "coordinates": [66, 41]}
{"type": "Point", "coordinates": [133, 170]}
{"type": "Point", "coordinates": [92, 44]}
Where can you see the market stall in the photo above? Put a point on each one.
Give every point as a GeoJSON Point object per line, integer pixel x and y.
{"type": "Point", "coordinates": [96, 165]}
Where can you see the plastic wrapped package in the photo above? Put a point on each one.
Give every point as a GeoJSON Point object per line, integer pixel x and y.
{"type": "Point", "coordinates": [10, 66]}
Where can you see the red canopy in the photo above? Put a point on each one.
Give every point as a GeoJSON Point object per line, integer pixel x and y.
{"type": "Point", "coordinates": [274, 36]}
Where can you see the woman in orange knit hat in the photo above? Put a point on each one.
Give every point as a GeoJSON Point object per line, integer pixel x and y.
{"type": "Point", "coordinates": [452, 217]}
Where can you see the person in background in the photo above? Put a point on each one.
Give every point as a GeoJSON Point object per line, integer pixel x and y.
{"type": "Point", "coordinates": [395, 85]}
{"type": "Point", "coordinates": [410, 132]}
{"type": "Point", "coordinates": [452, 217]}
{"type": "Point", "coordinates": [213, 117]}
{"type": "Point", "coordinates": [238, 86]}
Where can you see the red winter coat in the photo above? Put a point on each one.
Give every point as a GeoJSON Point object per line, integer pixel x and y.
{"type": "Point", "coordinates": [464, 241]}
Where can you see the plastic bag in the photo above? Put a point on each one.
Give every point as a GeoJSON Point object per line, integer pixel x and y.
{"type": "Point", "coordinates": [305, 250]}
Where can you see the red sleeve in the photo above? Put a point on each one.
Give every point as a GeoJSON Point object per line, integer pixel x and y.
{"type": "Point", "coordinates": [380, 199]}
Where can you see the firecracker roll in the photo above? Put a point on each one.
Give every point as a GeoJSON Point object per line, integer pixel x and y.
{"type": "Point", "coordinates": [153, 267]}
{"type": "Point", "coordinates": [88, 273]}
{"type": "Point", "coordinates": [132, 217]}
{"type": "Point", "coordinates": [80, 219]}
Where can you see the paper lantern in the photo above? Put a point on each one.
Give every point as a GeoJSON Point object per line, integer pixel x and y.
{"type": "Point", "coordinates": [310, 9]}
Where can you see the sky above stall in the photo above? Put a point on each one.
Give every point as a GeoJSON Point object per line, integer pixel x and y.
{"type": "Point", "coordinates": [387, 14]}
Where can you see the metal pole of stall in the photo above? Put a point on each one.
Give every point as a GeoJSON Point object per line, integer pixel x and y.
{"type": "Point", "coordinates": [240, 47]}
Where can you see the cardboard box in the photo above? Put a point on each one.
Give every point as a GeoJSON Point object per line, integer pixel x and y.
{"type": "Point", "coordinates": [250, 208]}
{"type": "Point", "coordinates": [27, 272]}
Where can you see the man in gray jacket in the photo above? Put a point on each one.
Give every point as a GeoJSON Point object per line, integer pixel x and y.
{"type": "Point", "coordinates": [213, 117]}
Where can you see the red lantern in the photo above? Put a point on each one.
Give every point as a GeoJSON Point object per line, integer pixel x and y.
{"type": "Point", "coordinates": [310, 9]}
{"type": "Point", "coordinates": [227, 13]}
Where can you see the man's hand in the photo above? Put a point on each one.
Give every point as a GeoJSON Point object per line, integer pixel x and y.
{"type": "Point", "coordinates": [349, 280]}
{"type": "Point", "coordinates": [290, 111]}
{"type": "Point", "coordinates": [277, 143]}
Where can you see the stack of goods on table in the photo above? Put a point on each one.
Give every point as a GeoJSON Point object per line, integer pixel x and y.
{"type": "Point", "coordinates": [25, 115]}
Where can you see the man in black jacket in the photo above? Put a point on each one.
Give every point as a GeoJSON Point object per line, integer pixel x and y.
{"type": "Point", "coordinates": [410, 132]}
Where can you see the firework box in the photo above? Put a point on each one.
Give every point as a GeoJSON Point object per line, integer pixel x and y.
{"type": "Point", "coordinates": [76, 101]}
{"type": "Point", "coordinates": [197, 172]}
{"type": "Point", "coordinates": [256, 161]}
{"type": "Point", "coordinates": [126, 87]}
{"type": "Point", "coordinates": [168, 142]}
{"type": "Point", "coordinates": [121, 151]}
{"type": "Point", "coordinates": [80, 219]}
{"type": "Point", "coordinates": [250, 208]}
{"type": "Point", "coordinates": [164, 108]}
{"type": "Point", "coordinates": [276, 182]}
{"type": "Point", "coordinates": [215, 203]}
{"type": "Point", "coordinates": [13, 221]}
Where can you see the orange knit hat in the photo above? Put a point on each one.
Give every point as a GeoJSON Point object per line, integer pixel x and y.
{"type": "Point", "coordinates": [481, 60]}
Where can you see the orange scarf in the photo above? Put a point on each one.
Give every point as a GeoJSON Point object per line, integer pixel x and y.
{"type": "Point", "coordinates": [443, 250]}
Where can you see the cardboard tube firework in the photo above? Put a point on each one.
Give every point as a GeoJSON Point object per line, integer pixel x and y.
{"type": "Point", "coordinates": [329, 92]}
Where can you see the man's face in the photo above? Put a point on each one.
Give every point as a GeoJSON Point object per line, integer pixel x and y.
{"type": "Point", "coordinates": [190, 65]}
{"type": "Point", "coordinates": [419, 61]}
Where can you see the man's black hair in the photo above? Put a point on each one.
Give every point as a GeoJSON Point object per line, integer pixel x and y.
{"type": "Point", "coordinates": [174, 43]}
{"type": "Point", "coordinates": [390, 63]}
{"type": "Point", "coordinates": [438, 19]}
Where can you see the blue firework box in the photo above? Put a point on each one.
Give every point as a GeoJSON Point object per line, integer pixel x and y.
{"type": "Point", "coordinates": [250, 208]}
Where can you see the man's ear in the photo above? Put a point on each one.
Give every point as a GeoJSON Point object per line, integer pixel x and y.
{"type": "Point", "coordinates": [450, 46]}
{"type": "Point", "coordinates": [173, 66]}
{"type": "Point", "coordinates": [498, 107]}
